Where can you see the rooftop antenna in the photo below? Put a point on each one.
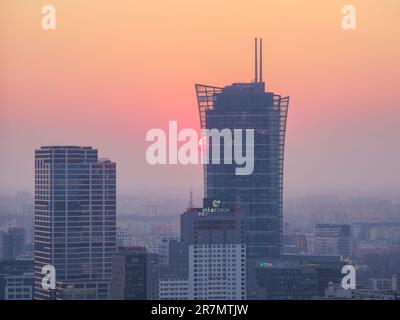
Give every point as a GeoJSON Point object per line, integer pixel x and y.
{"type": "Point", "coordinates": [261, 80]}
{"type": "Point", "coordinates": [255, 61]}
{"type": "Point", "coordinates": [191, 206]}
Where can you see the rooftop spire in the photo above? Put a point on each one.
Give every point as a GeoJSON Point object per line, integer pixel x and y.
{"type": "Point", "coordinates": [261, 79]}
{"type": "Point", "coordinates": [258, 72]}
{"type": "Point", "coordinates": [255, 61]}
{"type": "Point", "coordinates": [191, 205]}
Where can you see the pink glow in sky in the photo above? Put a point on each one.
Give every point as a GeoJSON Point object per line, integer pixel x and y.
{"type": "Point", "coordinates": [114, 69]}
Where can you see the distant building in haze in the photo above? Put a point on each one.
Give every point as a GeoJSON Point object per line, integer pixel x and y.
{"type": "Point", "coordinates": [333, 239]}
{"type": "Point", "coordinates": [12, 243]}
{"type": "Point", "coordinates": [295, 243]}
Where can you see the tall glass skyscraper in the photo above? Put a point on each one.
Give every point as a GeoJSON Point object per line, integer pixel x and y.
{"type": "Point", "coordinates": [249, 106]}
{"type": "Point", "coordinates": [75, 221]}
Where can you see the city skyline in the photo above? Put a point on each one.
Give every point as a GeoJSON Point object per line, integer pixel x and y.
{"type": "Point", "coordinates": [220, 151]}
{"type": "Point", "coordinates": [110, 98]}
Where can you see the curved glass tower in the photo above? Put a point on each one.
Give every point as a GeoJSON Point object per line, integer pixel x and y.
{"type": "Point", "coordinates": [260, 194]}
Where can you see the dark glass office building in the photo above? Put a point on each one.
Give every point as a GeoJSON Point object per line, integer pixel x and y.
{"type": "Point", "coordinates": [249, 106]}
{"type": "Point", "coordinates": [75, 220]}
{"type": "Point", "coordinates": [135, 274]}
{"type": "Point", "coordinates": [12, 243]}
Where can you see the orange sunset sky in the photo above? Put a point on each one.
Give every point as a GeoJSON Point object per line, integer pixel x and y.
{"type": "Point", "coordinates": [114, 69]}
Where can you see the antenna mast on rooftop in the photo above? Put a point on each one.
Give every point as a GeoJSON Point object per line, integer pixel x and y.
{"type": "Point", "coordinates": [261, 80]}
{"type": "Point", "coordinates": [255, 61]}
{"type": "Point", "coordinates": [191, 205]}
{"type": "Point", "coordinates": [258, 77]}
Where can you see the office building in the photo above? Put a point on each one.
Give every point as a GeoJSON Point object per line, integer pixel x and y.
{"type": "Point", "coordinates": [75, 221]}
{"type": "Point", "coordinates": [174, 258]}
{"type": "Point", "coordinates": [16, 279]}
{"type": "Point", "coordinates": [249, 106]}
{"type": "Point", "coordinates": [82, 290]}
{"type": "Point", "coordinates": [215, 236]}
{"type": "Point", "coordinates": [124, 238]}
{"type": "Point", "coordinates": [12, 243]}
{"type": "Point", "coordinates": [333, 239]}
{"type": "Point", "coordinates": [164, 251]}
{"type": "Point", "coordinates": [295, 243]}
{"type": "Point", "coordinates": [135, 274]}
{"type": "Point", "coordinates": [280, 280]}
{"type": "Point", "coordinates": [329, 268]}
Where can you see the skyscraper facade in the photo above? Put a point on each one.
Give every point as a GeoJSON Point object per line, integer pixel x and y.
{"type": "Point", "coordinates": [249, 106]}
{"type": "Point", "coordinates": [75, 220]}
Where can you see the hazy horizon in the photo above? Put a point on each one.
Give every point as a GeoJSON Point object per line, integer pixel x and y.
{"type": "Point", "coordinates": [105, 79]}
